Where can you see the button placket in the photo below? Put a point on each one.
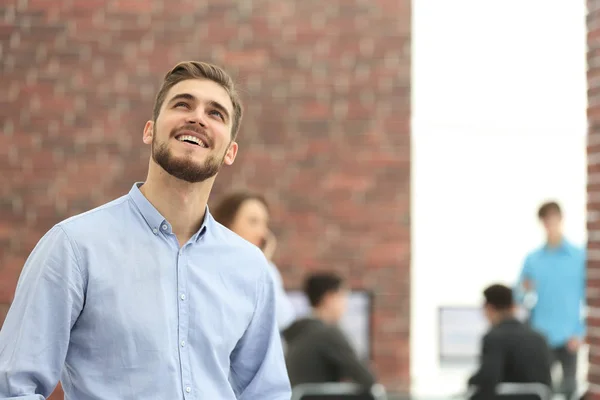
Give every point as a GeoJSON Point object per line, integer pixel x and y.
{"type": "Point", "coordinates": [183, 311]}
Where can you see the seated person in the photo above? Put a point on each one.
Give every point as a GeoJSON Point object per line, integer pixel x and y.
{"type": "Point", "coordinates": [512, 352]}
{"type": "Point", "coordinates": [317, 350]}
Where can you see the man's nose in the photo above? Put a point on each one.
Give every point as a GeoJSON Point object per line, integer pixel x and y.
{"type": "Point", "coordinates": [197, 117]}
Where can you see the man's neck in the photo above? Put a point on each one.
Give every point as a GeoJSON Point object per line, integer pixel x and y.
{"type": "Point", "coordinates": [183, 204]}
{"type": "Point", "coordinates": [505, 316]}
{"type": "Point", "coordinates": [555, 241]}
{"type": "Point", "coordinates": [322, 315]}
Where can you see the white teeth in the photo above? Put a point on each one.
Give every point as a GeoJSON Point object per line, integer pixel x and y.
{"type": "Point", "coordinates": [191, 138]}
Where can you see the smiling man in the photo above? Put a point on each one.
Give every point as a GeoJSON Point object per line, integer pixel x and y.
{"type": "Point", "coordinates": [148, 297]}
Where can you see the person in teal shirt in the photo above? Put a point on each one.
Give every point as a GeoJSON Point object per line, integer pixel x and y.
{"type": "Point", "coordinates": [552, 286]}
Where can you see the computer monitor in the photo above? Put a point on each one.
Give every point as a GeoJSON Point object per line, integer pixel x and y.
{"type": "Point", "coordinates": [461, 330]}
{"type": "Point", "coordinates": [356, 322]}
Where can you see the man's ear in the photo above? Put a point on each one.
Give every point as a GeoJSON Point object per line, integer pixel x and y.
{"type": "Point", "coordinates": [231, 153]}
{"type": "Point", "coordinates": [148, 132]}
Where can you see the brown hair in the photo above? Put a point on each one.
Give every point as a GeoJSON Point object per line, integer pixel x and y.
{"type": "Point", "coordinates": [548, 208]}
{"type": "Point", "coordinates": [201, 70]}
{"type": "Point", "coordinates": [226, 210]}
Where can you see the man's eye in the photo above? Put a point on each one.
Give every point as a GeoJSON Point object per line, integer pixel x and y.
{"type": "Point", "coordinates": [182, 104]}
{"type": "Point", "coordinates": [217, 113]}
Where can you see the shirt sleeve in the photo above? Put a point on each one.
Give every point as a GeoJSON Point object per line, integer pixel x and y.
{"type": "Point", "coordinates": [35, 336]}
{"type": "Point", "coordinates": [492, 366]}
{"type": "Point", "coordinates": [525, 275]}
{"type": "Point", "coordinates": [258, 369]}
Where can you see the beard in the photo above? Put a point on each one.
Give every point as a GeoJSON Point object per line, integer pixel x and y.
{"type": "Point", "coordinates": [185, 168]}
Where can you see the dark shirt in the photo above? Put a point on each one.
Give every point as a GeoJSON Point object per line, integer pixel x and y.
{"type": "Point", "coordinates": [319, 353]}
{"type": "Point", "coordinates": [512, 352]}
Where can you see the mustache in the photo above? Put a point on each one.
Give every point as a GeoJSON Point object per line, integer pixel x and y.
{"type": "Point", "coordinates": [196, 129]}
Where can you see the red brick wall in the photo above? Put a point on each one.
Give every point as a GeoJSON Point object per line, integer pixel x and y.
{"type": "Point", "coordinates": [593, 295]}
{"type": "Point", "coordinates": [326, 134]}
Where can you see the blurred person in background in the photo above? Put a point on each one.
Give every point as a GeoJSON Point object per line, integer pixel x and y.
{"type": "Point", "coordinates": [143, 297]}
{"type": "Point", "coordinates": [511, 351]}
{"type": "Point", "coordinates": [552, 284]}
{"type": "Point", "coordinates": [247, 214]}
{"type": "Point", "coordinates": [318, 351]}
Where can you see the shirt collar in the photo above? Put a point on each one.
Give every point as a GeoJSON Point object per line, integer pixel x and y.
{"type": "Point", "coordinates": [510, 320]}
{"type": "Point", "coordinates": [156, 222]}
{"type": "Point", "coordinates": [565, 247]}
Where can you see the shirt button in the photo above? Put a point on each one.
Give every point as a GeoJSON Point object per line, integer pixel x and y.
{"type": "Point", "coordinates": [164, 227]}
{"type": "Point", "coordinates": [155, 230]}
{"type": "Point", "coordinates": [183, 343]}
{"type": "Point", "coordinates": [183, 297]}
{"type": "Point", "coordinates": [188, 389]}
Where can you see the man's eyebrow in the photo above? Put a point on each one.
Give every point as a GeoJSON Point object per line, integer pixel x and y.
{"type": "Point", "coordinates": [211, 103]}
{"type": "Point", "coordinates": [182, 96]}
{"type": "Point", "coordinates": [219, 107]}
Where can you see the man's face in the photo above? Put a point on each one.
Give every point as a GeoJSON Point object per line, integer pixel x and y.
{"type": "Point", "coordinates": [553, 224]}
{"type": "Point", "coordinates": [490, 313]}
{"type": "Point", "coordinates": [336, 303]}
{"type": "Point", "coordinates": [191, 138]}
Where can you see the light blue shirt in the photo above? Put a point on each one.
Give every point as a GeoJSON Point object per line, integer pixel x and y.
{"type": "Point", "coordinates": [558, 281]}
{"type": "Point", "coordinates": [284, 308]}
{"type": "Point", "coordinates": [109, 303]}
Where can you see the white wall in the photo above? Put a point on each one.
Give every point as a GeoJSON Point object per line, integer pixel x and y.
{"type": "Point", "coordinates": [499, 126]}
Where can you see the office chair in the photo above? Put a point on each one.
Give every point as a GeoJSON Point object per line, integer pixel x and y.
{"type": "Point", "coordinates": [337, 391]}
{"type": "Point", "coordinates": [522, 391]}
{"type": "Point", "coordinates": [533, 391]}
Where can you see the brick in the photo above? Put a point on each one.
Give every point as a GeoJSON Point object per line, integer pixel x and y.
{"type": "Point", "coordinates": [593, 189]}
{"type": "Point", "coordinates": [326, 133]}
{"type": "Point", "coordinates": [3, 311]}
